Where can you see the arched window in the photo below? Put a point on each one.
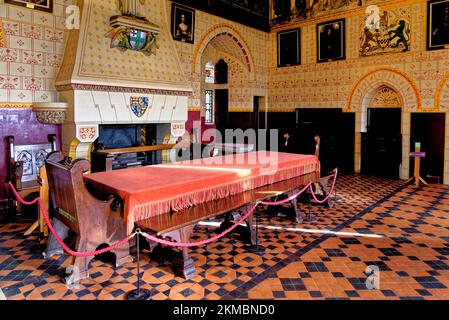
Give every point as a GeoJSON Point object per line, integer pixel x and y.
{"type": "Point", "coordinates": [209, 73]}
{"type": "Point", "coordinates": [221, 68]}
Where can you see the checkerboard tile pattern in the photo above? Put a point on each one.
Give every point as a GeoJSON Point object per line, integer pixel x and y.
{"type": "Point", "coordinates": [402, 231]}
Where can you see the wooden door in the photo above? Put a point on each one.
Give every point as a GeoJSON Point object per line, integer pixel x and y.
{"type": "Point", "coordinates": [429, 130]}
{"type": "Point", "coordinates": [222, 110]}
{"type": "Point", "coordinates": [382, 143]}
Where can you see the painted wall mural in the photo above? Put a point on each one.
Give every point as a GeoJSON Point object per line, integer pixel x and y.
{"type": "Point", "coordinates": [254, 13]}
{"type": "Point", "coordinates": [391, 34]}
{"type": "Point", "coordinates": [282, 11]}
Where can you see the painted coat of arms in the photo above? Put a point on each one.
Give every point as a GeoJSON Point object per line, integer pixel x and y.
{"type": "Point", "coordinates": [389, 33]}
{"type": "Point", "coordinates": [139, 105]}
{"type": "Point", "coordinates": [132, 30]}
{"type": "Point", "coordinates": [126, 38]}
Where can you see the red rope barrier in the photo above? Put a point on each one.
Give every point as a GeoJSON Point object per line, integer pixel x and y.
{"type": "Point", "coordinates": [204, 242]}
{"type": "Point", "coordinates": [334, 183]}
{"type": "Point", "coordinates": [277, 203]}
{"type": "Point", "coordinates": [158, 240]}
{"type": "Point", "coordinates": [58, 239]}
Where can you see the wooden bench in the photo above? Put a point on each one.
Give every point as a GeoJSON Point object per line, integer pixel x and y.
{"type": "Point", "coordinates": [179, 226]}
{"type": "Point", "coordinates": [96, 220]}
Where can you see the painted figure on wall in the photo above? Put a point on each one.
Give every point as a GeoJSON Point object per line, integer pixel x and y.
{"type": "Point", "coordinates": [183, 29]}
{"type": "Point", "coordinates": [304, 9]}
{"type": "Point", "coordinates": [133, 8]}
{"type": "Point", "coordinates": [301, 7]}
{"type": "Point", "coordinates": [400, 34]}
{"type": "Point", "coordinates": [282, 9]}
{"type": "Point", "coordinates": [183, 23]}
{"type": "Point", "coordinates": [331, 41]}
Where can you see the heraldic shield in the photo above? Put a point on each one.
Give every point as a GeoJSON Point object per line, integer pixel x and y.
{"type": "Point", "coordinates": [139, 105]}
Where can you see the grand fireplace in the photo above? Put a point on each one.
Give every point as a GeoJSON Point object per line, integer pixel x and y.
{"type": "Point", "coordinates": [111, 103]}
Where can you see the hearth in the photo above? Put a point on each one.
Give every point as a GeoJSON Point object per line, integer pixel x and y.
{"type": "Point", "coordinates": [122, 137]}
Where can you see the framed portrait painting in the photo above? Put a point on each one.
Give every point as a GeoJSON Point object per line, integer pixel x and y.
{"type": "Point", "coordinates": [289, 48]}
{"type": "Point", "coordinates": [437, 24]}
{"type": "Point", "coordinates": [42, 5]}
{"type": "Point", "coordinates": [183, 23]}
{"type": "Point", "coordinates": [331, 41]}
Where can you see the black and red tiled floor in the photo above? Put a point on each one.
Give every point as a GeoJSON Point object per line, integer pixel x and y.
{"type": "Point", "coordinates": [401, 230]}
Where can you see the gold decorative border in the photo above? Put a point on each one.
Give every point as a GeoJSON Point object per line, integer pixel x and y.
{"type": "Point", "coordinates": [2, 35]}
{"type": "Point", "coordinates": [410, 81]}
{"type": "Point", "coordinates": [248, 109]}
{"type": "Point", "coordinates": [13, 105]}
{"type": "Point", "coordinates": [439, 91]}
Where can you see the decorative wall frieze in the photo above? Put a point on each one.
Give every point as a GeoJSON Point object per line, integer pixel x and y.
{"type": "Point", "coordinates": [92, 87]}
{"type": "Point", "coordinates": [12, 105]}
{"type": "Point", "coordinates": [51, 117]}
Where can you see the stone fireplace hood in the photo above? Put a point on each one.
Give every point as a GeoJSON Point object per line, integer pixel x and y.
{"type": "Point", "coordinates": [104, 85]}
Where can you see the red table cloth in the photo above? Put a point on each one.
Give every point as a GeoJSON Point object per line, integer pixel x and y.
{"type": "Point", "coordinates": [153, 190]}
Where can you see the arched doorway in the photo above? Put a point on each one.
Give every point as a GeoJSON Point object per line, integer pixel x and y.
{"type": "Point", "coordinates": [223, 48]}
{"type": "Point", "coordinates": [382, 139]}
{"type": "Point", "coordinates": [361, 97]}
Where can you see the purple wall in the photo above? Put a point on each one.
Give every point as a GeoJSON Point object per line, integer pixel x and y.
{"type": "Point", "coordinates": [22, 124]}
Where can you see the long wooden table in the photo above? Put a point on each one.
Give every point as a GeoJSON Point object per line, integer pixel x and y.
{"type": "Point", "coordinates": [179, 225]}
{"type": "Point", "coordinates": [168, 200]}
{"type": "Point", "coordinates": [154, 190]}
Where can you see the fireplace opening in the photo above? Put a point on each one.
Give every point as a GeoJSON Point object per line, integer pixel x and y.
{"type": "Point", "coordinates": [122, 137]}
{"type": "Point", "coordinates": [119, 136]}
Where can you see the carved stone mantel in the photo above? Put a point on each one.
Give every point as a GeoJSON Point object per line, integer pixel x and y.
{"type": "Point", "coordinates": [51, 112]}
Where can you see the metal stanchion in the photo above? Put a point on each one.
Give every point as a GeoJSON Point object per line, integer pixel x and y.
{"type": "Point", "coordinates": [139, 294]}
{"type": "Point", "coordinates": [256, 248]}
{"type": "Point", "coordinates": [309, 217]}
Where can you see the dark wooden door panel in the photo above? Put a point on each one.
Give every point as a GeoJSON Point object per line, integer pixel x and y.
{"type": "Point", "coordinates": [382, 143]}
{"type": "Point", "coordinates": [429, 130]}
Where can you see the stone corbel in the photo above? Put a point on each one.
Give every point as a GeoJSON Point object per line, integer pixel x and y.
{"type": "Point", "coordinates": [51, 112]}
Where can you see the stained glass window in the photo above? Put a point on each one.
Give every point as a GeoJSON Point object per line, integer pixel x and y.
{"type": "Point", "coordinates": [209, 71]}
{"type": "Point", "coordinates": [209, 106]}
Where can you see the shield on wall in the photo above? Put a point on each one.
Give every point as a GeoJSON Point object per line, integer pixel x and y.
{"type": "Point", "coordinates": [137, 39]}
{"type": "Point", "coordinates": [383, 41]}
{"type": "Point", "coordinates": [139, 105]}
